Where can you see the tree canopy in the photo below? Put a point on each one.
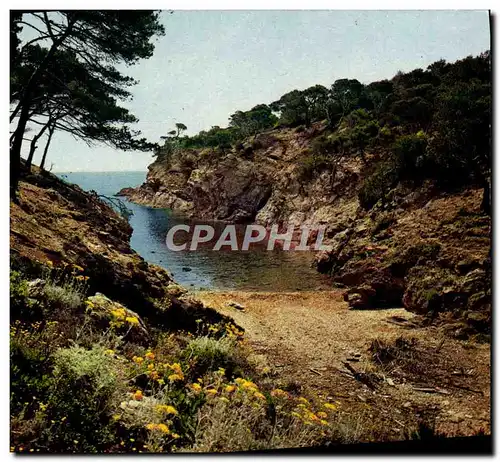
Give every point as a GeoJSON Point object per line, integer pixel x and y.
{"type": "Point", "coordinates": [65, 78]}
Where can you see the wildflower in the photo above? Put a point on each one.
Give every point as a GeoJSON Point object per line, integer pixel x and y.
{"type": "Point", "coordinates": [259, 395]}
{"type": "Point", "coordinates": [116, 417]}
{"type": "Point", "coordinates": [161, 381]}
{"type": "Point", "coordinates": [50, 263]}
{"type": "Point", "coordinates": [322, 414]}
{"type": "Point", "coordinates": [175, 435]}
{"type": "Point", "coordinates": [323, 422]}
{"type": "Point", "coordinates": [303, 400]}
{"type": "Point", "coordinates": [110, 352]}
{"type": "Point", "coordinates": [138, 359]}
{"type": "Point", "coordinates": [138, 395]}
{"type": "Point", "coordinates": [150, 355]}
{"type": "Point", "coordinates": [221, 371]}
{"type": "Point", "coordinates": [296, 414]}
{"type": "Point", "coordinates": [247, 385]}
{"type": "Point", "coordinates": [211, 391]}
{"type": "Point", "coordinates": [150, 367]}
{"type": "Point", "coordinates": [132, 320]}
{"type": "Point", "coordinates": [196, 387]}
{"type": "Point", "coordinates": [330, 406]}
{"type": "Point", "coordinates": [160, 427]}
{"type": "Point", "coordinates": [312, 416]}
{"type": "Point", "coordinates": [230, 388]}
{"type": "Point", "coordinates": [279, 393]}
{"type": "Point", "coordinates": [174, 377]}
{"type": "Point", "coordinates": [165, 409]}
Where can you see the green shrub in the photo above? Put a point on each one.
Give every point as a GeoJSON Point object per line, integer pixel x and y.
{"type": "Point", "coordinates": [86, 387]}
{"type": "Point", "coordinates": [208, 354]}
{"type": "Point", "coordinates": [68, 296]}
{"type": "Point", "coordinates": [18, 292]}
{"type": "Point", "coordinates": [377, 185]}
{"type": "Point", "coordinates": [311, 165]}
{"type": "Point", "coordinates": [409, 157]}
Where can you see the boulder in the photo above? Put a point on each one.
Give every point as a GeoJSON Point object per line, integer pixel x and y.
{"type": "Point", "coordinates": [108, 313]}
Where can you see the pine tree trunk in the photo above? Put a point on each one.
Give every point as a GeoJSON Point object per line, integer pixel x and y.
{"type": "Point", "coordinates": [51, 132]}
{"type": "Point", "coordinates": [33, 146]}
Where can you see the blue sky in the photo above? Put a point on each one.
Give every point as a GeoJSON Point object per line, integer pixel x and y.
{"type": "Point", "coordinates": [212, 63]}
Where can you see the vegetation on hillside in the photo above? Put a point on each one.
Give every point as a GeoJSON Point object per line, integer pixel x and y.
{"type": "Point", "coordinates": [88, 375]}
{"type": "Point", "coordinates": [432, 124]}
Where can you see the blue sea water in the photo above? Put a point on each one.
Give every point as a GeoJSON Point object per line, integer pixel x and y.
{"type": "Point", "coordinates": [204, 268]}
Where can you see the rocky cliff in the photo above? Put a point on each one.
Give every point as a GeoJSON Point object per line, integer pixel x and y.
{"type": "Point", "coordinates": [422, 248]}
{"type": "Point", "coordinates": [264, 180]}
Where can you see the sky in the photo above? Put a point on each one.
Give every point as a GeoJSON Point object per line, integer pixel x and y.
{"type": "Point", "coordinates": [211, 63]}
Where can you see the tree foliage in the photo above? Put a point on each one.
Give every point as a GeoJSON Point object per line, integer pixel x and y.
{"type": "Point", "coordinates": [66, 78]}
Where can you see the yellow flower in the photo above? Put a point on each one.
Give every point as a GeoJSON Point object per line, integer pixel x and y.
{"type": "Point", "coordinates": [165, 409]}
{"type": "Point", "coordinates": [296, 414]}
{"type": "Point", "coordinates": [132, 320]}
{"type": "Point", "coordinates": [249, 385]}
{"type": "Point", "coordinates": [330, 406]}
{"type": "Point", "coordinates": [211, 391]}
{"type": "Point", "coordinates": [174, 377]}
{"type": "Point", "coordinates": [259, 395]}
{"type": "Point", "coordinates": [230, 388]}
{"type": "Point", "coordinates": [151, 367]}
{"type": "Point", "coordinates": [313, 417]}
{"type": "Point", "coordinates": [322, 414]}
{"type": "Point", "coordinates": [116, 417]}
{"type": "Point", "coordinates": [323, 422]}
{"type": "Point", "coordinates": [110, 352]}
{"type": "Point", "coordinates": [221, 371]}
{"type": "Point", "coordinates": [158, 427]}
{"type": "Point", "coordinates": [50, 263]}
{"type": "Point", "coordinates": [303, 400]}
{"type": "Point", "coordinates": [161, 381]}
{"type": "Point", "coordinates": [138, 395]}
{"type": "Point", "coordinates": [196, 387]}
{"type": "Point", "coordinates": [150, 355]}
{"type": "Point", "coordinates": [279, 393]}
{"type": "Point", "coordinates": [138, 359]}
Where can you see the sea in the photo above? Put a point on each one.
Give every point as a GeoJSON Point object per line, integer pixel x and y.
{"type": "Point", "coordinates": [203, 269]}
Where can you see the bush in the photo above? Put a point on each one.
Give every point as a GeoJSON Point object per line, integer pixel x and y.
{"type": "Point", "coordinates": [409, 157]}
{"type": "Point", "coordinates": [85, 389]}
{"type": "Point", "coordinates": [19, 300]}
{"type": "Point", "coordinates": [68, 296]}
{"type": "Point", "coordinates": [377, 185]}
{"type": "Point", "coordinates": [312, 165]}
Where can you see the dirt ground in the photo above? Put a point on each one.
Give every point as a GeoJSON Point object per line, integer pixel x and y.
{"type": "Point", "coordinates": [312, 340]}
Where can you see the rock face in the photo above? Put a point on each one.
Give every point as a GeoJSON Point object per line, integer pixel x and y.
{"type": "Point", "coordinates": [422, 249]}
{"type": "Point", "coordinates": [263, 180]}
